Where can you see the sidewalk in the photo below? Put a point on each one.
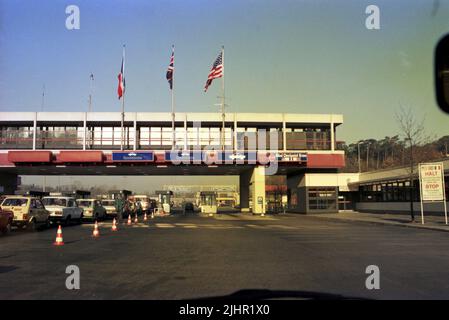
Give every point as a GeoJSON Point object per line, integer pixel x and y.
{"type": "Point", "coordinates": [430, 222]}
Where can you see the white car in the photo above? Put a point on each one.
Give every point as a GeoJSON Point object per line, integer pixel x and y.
{"type": "Point", "coordinates": [144, 201]}
{"type": "Point", "coordinates": [63, 209]}
{"type": "Point", "coordinates": [109, 205]}
{"type": "Point", "coordinates": [93, 210]}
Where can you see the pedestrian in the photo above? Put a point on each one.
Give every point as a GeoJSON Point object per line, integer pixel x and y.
{"type": "Point", "coordinates": [139, 208]}
{"type": "Point", "coordinates": [119, 206]}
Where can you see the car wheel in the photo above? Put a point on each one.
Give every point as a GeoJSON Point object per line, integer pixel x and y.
{"type": "Point", "coordinates": [67, 221]}
{"type": "Point", "coordinates": [7, 229]}
{"type": "Point", "coordinates": [31, 226]}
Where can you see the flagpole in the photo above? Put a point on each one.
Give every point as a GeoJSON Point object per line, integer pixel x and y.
{"type": "Point", "coordinates": [223, 101]}
{"type": "Point", "coordinates": [173, 101]}
{"type": "Point", "coordinates": [91, 91]}
{"type": "Point", "coordinates": [123, 103]}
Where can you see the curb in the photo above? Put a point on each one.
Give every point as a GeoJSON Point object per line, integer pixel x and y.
{"type": "Point", "coordinates": [394, 224]}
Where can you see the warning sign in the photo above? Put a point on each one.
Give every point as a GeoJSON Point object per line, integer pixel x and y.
{"type": "Point", "coordinates": [432, 181]}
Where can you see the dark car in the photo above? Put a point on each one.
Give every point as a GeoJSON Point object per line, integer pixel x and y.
{"type": "Point", "coordinates": [6, 218]}
{"type": "Point", "coordinates": [189, 207]}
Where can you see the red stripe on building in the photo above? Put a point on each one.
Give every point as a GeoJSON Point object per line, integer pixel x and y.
{"type": "Point", "coordinates": [80, 156]}
{"type": "Point", "coordinates": [29, 156]}
{"type": "Point", "coordinates": [325, 161]}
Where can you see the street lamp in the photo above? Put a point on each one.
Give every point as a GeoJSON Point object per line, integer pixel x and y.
{"type": "Point", "coordinates": [412, 214]}
{"type": "Point", "coordinates": [358, 154]}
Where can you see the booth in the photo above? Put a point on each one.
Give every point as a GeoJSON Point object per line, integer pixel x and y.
{"type": "Point", "coordinates": [164, 202]}
{"type": "Point", "coordinates": [208, 202]}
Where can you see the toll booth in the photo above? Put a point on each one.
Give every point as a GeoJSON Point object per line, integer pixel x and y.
{"type": "Point", "coordinates": [208, 202]}
{"type": "Point", "coordinates": [114, 194]}
{"type": "Point", "coordinates": [32, 193]}
{"type": "Point", "coordinates": [78, 194]}
{"type": "Point", "coordinates": [164, 202]}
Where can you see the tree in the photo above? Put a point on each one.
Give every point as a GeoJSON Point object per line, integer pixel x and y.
{"type": "Point", "coordinates": [412, 129]}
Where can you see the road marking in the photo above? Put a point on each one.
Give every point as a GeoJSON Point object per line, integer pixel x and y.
{"type": "Point", "coordinates": [164, 225]}
{"type": "Point", "coordinates": [281, 226]}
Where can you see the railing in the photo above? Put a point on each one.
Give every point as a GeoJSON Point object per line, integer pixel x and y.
{"type": "Point", "coordinates": [111, 139]}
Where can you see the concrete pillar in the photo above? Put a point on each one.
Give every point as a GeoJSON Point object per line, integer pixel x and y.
{"type": "Point", "coordinates": [284, 133]}
{"type": "Point", "coordinates": [8, 183]}
{"type": "Point", "coordinates": [85, 130]}
{"type": "Point", "coordinates": [258, 190]}
{"type": "Point", "coordinates": [185, 133]}
{"type": "Point", "coordinates": [34, 130]}
{"type": "Point", "coordinates": [235, 133]}
{"type": "Point", "coordinates": [244, 185]}
{"type": "Point", "coordinates": [332, 135]}
{"type": "Point", "coordinates": [135, 132]}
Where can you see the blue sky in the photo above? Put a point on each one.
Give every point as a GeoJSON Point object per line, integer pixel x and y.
{"type": "Point", "coordinates": [281, 56]}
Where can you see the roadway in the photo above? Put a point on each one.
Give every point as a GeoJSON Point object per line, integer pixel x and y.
{"type": "Point", "coordinates": [180, 257]}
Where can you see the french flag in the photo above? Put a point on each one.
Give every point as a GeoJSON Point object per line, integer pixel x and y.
{"type": "Point", "coordinates": [121, 77]}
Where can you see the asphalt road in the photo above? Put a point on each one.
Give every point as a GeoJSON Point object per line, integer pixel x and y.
{"type": "Point", "coordinates": [181, 257]}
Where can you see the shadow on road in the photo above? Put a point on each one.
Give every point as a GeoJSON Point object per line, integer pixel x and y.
{"type": "Point", "coordinates": [263, 294]}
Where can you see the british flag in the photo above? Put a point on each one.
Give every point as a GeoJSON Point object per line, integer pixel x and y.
{"type": "Point", "coordinates": [171, 69]}
{"type": "Point", "coordinates": [216, 71]}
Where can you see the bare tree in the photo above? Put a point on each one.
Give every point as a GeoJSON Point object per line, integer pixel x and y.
{"type": "Point", "coordinates": [413, 131]}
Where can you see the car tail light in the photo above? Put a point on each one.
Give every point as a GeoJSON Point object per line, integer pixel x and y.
{"type": "Point", "coordinates": [25, 216]}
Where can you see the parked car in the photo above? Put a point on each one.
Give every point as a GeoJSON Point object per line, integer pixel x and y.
{"type": "Point", "coordinates": [63, 209]}
{"type": "Point", "coordinates": [109, 205]}
{"type": "Point", "coordinates": [6, 218]}
{"type": "Point", "coordinates": [189, 207]}
{"type": "Point", "coordinates": [144, 202]}
{"type": "Point", "coordinates": [92, 209]}
{"type": "Point", "coordinates": [28, 212]}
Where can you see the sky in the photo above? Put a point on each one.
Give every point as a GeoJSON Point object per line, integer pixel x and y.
{"type": "Point", "coordinates": [294, 56]}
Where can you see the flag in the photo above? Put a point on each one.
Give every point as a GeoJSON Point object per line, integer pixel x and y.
{"type": "Point", "coordinates": [216, 71]}
{"type": "Point", "coordinates": [171, 69]}
{"type": "Point", "coordinates": [121, 78]}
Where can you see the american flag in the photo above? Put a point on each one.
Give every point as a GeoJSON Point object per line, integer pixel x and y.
{"type": "Point", "coordinates": [121, 78]}
{"type": "Point", "coordinates": [171, 69]}
{"type": "Point", "coordinates": [216, 71]}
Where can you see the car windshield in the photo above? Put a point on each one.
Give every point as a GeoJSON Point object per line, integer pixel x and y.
{"type": "Point", "coordinates": [55, 202]}
{"type": "Point", "coordinates": [85, 203]}
{"type": "Point", "coordinates": [14, 202]}
{"type": "Point", "coordinates": [108, 202]}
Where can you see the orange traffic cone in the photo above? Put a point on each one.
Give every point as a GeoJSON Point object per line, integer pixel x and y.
{"type": "Point", "coordinates": [59, 241]}
{"type": "Point", "coordinates": [96, 232]}
{"type": "Point", "coordinates": [135, 218]}
{"type": "Point", "coordinates": [129, 220]}
{"type": "Point", "coordinates": [114, 225]}
{"type": "Point", "coordinates": [145, 217]}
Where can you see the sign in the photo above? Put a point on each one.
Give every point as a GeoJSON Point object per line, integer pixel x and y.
{"type": "Point", "coordinates": [292, 156]}
{"type": "Point", "coordinates": [133, 156]}
{"type": "Point", "coordinates": [183, 156]}
{"type": "Point", "coordinates": [432, 181]}
{"type": "Point", "coordinates": [240, 157]}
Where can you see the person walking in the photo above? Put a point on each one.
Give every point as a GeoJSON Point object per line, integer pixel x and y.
{"type": "Point", "coordinates": [119, 208]}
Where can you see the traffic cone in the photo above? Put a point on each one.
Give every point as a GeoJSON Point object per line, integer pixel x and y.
{"type": "Point", "coordinates": [96, 232]}
{"type": "Point", "coordinates": [145, 217]}
{"type": "Point", "coordinates": [114, 225]}
{"type": "Point", "coordinates": [135, 218]}
{"type": "Point", "coordinates": [59, 241]}
{"type": "Point", "coordinates": [129, 220]}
